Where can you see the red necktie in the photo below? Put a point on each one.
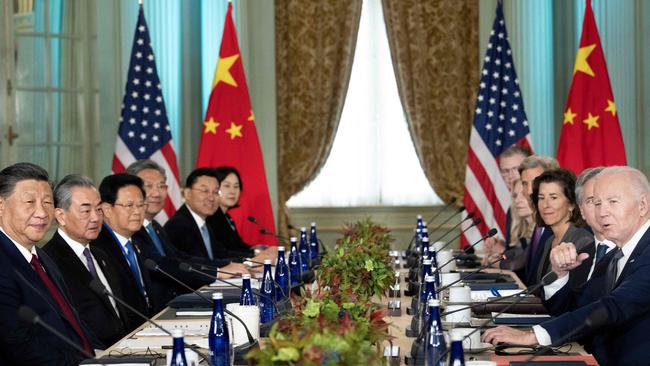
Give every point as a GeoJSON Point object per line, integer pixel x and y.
{"type": "Point", "coordinates": [63, 305]}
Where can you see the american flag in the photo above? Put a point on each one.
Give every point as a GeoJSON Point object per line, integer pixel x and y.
{"type": "Point", "coordinates": [144, 131]}
{"type": "Point", "coordinates": [499, 122]}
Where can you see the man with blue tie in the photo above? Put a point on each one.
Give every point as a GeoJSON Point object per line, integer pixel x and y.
{"type": "Point", "coordinates": [619, 286]}
{"type": "Point", "coordinates": [156, 245]}
{"type": "Point", "coordinates": [123, 206]}
{"type": "Point", "coordinates": [29, 277]}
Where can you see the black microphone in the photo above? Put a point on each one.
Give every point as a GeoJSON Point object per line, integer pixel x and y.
{"type": "Point", "coordinates": [546, 280]}
{"type": "Point", "coordinates": [507, 254]}
{"type": "Point", "coordinates": [281, 309]}
{"type": "Point", "coordinates": [28, 315]}
{"type": "Point", "coordinates": [597, 318]}
{"type": "Point", "coordinates": [468, 217]}
{"type": "Point", "coordinates": [459, 210]}
{"type": "Point", "coordinates": [97, 287]}
{"type": "Point", "coordinates": [489, 234]}
{"type": "Point", "coordinates": [239, 351]}
{"type": "Point", "coordinates": [451, 202]}
{"type": "Point", "coordinates": [265, 231]}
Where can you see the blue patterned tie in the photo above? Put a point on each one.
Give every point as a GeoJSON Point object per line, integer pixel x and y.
{"type": "Point", "coordinates": [133, 264]}
{"type": "Point", "coordinates": [156, 239]}
{"type": "Point", "coordinates": [91, 263]}
{"type": "Point", "coordinates": [601, 250]}
{"type": "Point", "coordinates": [206, 240]}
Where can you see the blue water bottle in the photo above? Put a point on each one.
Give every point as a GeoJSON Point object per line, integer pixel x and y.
{"type": "Point", "coordinates": [313, 242]}
{"type": "Point", "coordinates": [282, 276]}
{"type": "Point", "coordinates": [305, 257]}
{"type": "Point", "coordinates": [247, 296]}
{"type": "Point", "coordinates": [435, 347]}
{"type": "Point", "coordinates": [294, 263]}
{"type": "Point", "coordinates": [219, 338]}
{"type": "Point", "coordinates": [178, 351]}
{"type": "Point", "coordinates": [267, 291]}
{"type": "Point", "coordinates": [457, 357]}
{"type": "Point", "coordinates": [419, 223]}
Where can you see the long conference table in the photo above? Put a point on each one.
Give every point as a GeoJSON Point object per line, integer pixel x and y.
{"type": "Point", "coordinates": [148, 341]}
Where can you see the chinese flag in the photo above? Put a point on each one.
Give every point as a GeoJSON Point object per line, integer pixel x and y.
{"type": "Point", "coordinates": [591, 135]}
{"type": "Point", "coordinates": [230, 138]}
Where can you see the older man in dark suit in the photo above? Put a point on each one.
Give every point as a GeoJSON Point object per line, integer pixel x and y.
{"type": "Point", "coordinates": [619, 287]}
{"type": "Point", "coordinates": [123, 206]}
{"type": "Point", "coordinates": [79, 215]}
{"type": "Point", "coordinates": [156, 245]}
{"type": "Point", "coordinates": [29, 277]}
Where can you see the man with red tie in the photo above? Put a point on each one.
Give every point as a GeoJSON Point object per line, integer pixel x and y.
{"type": "Point", "coordinates": [29, 277]}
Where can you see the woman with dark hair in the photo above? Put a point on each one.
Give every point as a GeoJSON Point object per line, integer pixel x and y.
{"type": "Point", "coordinates": [556, 207]}
{"type": "Point", "coordinates": [230, 187]}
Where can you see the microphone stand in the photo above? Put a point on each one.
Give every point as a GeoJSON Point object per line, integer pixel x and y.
{"type": "Point", "coordinates": [99, 289]}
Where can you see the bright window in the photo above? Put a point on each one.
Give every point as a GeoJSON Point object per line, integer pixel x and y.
{"type": "Point", "coordinates": [373, 160]}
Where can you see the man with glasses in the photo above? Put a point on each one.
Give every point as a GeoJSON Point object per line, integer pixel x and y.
{"type": "Point", "coordinates": [79, 215]}
{"type": "Point", "coordinates": [123, 206]}
{"type": "Point", "coordinates": [156, 245]}
{"type": "Point", "coordinates": [187, 229]}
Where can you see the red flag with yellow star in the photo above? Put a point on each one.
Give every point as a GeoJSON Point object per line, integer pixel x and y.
{"type": "Point", "coordinates": [591, 135]}
{"type": "Point", "coordinates": [229, 138]}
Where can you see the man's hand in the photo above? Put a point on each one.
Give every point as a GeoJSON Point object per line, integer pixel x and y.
{"type": "Point", "coordinates": [493, 249]}
{"type": "Point", "coordinates": [564, 258]}
{"type": "Point", "coordinates": [268, 253]}
{"type": "Point", "coordinates": [503, 334]}
{"type": "Point", "coordinates": [233, 267]}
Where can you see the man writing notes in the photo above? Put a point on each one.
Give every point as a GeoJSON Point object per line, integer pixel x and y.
{"type": "Point", "coordinates": [619, 285]}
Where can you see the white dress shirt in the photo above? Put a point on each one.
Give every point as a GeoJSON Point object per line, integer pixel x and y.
{"type": "Point", "coordinates": [543, 338]}
{"type": "Point", "coordinates": [78, 250]}
{"type": "Point", "coordinates": [26, 253]}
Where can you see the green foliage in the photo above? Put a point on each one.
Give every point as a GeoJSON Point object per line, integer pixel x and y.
{"type": "Point", "coordinates": [338, 324]}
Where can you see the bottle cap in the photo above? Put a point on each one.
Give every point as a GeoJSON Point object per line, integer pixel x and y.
{"type": "Point", "coordinates": [397, 274]}
{"type": "Point", "coordinates": [303, 229]}
{"type": "Point", "coordinates": [419, 217]}
{"type": "Point", "coordinates": [280, 248]}
{"type": "Point", "coordinates": [457, 337]}
{"type": "Point", "coordinates": [433, 302]}
{"type": "Point", "coordinates": [177, 333]}
{"type": "Point", "coordinates": [294, 239]}
{"type": "Point", "coordinates": [246, 276]}
{"type": "Point", "coordinates": [217, 295]}
{"type": "Point", "coordinates": [313, 224]}
{"type": "Point", "coordinates": [429, 278]}
{"type": "Point", "coordinates": [267, 261]}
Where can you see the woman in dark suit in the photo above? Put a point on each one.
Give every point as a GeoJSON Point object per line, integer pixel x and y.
{"type": "Point", "coordinates": [555, 206]}
{"type": "Point", "coordinates": [230, 187]}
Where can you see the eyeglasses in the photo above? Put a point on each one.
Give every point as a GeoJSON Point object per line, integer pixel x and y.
{"type": "Point", "coordinates": [160, 186]}
{"type": "Point", "coordinates": [131, 206]}
{"type": "Point", "coordinates": [206, 192]}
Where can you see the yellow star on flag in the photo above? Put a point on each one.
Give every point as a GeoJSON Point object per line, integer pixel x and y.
{"type": "Point", "coordinates": [569, 116]}
{"type": "Point", "coordinates": [591, 121]}
{"type": "Point", "coordinates": [210, 126]}
{"type": "Point", "coordinates": [251, 117]}
{"type": "Point", "coordinates": [611, 107]}
{"type": "Point", "coordinates": [581, 60]}
{"type": "Point", "coordinates": [234, 130]}
{"type": "Point", "coordinates": [223, 71]}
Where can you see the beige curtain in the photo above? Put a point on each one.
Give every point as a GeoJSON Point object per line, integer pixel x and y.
{"type": "Point", "coordinates": [434, 47]}
{"type": "Point", "coordinates": [315, 43]}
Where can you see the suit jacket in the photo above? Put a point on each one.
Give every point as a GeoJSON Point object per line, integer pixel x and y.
{"type": "Point", "coordinates": [534, 256]}
{"type": "Point", "coordinates": [95, 310]}
{"type": "Point", "coordinates": [26, 344]}
{"type": "Point", "coordinates": [624, 337]}
{"type": "Point", "coordinates": [186, 236]}
{"type": "Point", "coordinates": [228, 235]}
{"type": "Point", "coordinates": [577, 276]}
{"type": "Point", "coordinates": [164, 289]}
{"type": "Point", "coordinates": [128, 283]}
